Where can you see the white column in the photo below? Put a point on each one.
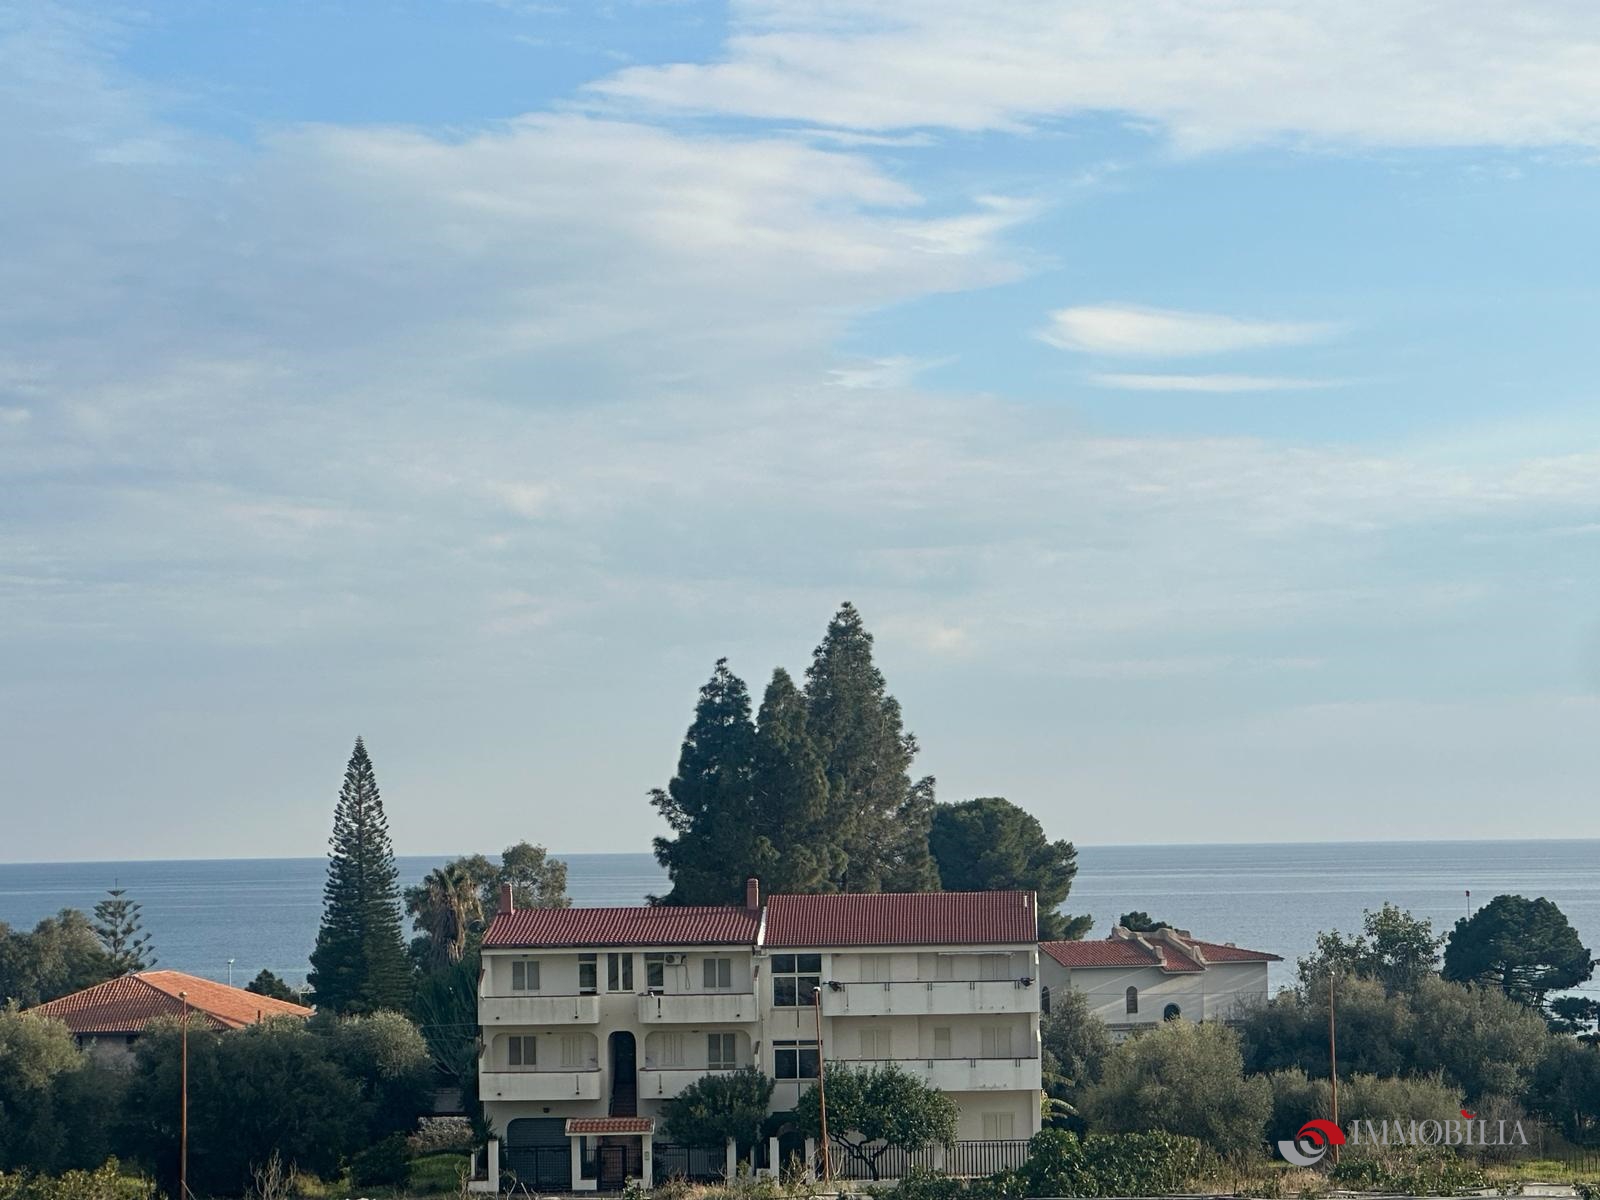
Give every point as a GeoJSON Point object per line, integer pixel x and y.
{"type": "Point", "coordinates": [730, 1161]}
{"type": "Point", "coordinates": [774, 1166]}
{"type": "Point", "coordinates": [811, 1160]}
{"type": "Point", "coordinates": [647, 1161]}
{"type": "Point", "coordinates": [492, 1164]}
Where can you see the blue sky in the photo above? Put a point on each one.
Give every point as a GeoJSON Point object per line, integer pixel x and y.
{"type": "Point", "coordinates": [1197, 400]}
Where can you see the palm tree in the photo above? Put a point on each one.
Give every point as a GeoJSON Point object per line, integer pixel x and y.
{"type": "Point", "coordinates": [446, 906]}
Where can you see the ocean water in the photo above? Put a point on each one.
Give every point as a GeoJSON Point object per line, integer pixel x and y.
{"type": "Point", "coordinates": [265, 912]}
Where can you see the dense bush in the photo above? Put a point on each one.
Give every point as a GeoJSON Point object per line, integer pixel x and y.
{"type": "Point", "coordinates": [57, 1106]}
{"type": "Point", "coordinates": [1409, 1171]}
{"type": "Point", "coordinates": [106, 1182]}
{"type": "Point", "coordinates": [1132, 1164]}
{"type": "Point", "coordinates": [385, 1163]}
{"type": "Point", "coordinates": [1184, 1079]}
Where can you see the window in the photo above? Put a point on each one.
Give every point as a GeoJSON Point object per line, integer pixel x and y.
{"type": "Point", "coordinates": [794, 1060]}
{"type": "Point", "coordinates": [525, 975]}
{"type": "Point", "coordinates": [994, 966]}
{"type": "Point", "coordinates": [671, 1049]}
{"type": "Point", "coordinates": [573, 1051]}
{"type": "Point", "coordinates": [944, 966]}
{"type": "Point", "coordinates": [718, 973]}
{"type": "Point", "coordinates": [794, 978]}
{"type": "Point", "coordinates": [874, 1043]}
{"type": "Point", "coordinates": [522, 1051]}
{"type": "Point", "coordinates": [941, 1042]}
{"type": "Point", "coordinates": [587, 974]}
{"type": "Point", "coordinates": [996, 1041]}
{"type": "Point", "coordinates": [1131, 1000]}
{"type": "Point", "coordinates": [619, 972]}
{"type": "Point", "coordinates": [1171, 1013]}
{"type": "Point", "coordinates": [722, 1051]}
{"type": "Point", "coordinates": [655, 972]}
{"type": "Point", "coordinates": [999, 1126]}
{"type": "Point", "coordinates": [876, 968]}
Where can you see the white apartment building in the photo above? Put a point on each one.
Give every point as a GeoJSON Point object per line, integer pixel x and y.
{"type": "Point", "coordinates": [1134, 980]}
{"type": "Point", "coordinates": [592, 1019]}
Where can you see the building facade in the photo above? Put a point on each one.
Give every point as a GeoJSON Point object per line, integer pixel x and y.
{"type": "Point", "coordinates": [1133, 980]}
{"type": "Point", "coordinates": [593, 1019]}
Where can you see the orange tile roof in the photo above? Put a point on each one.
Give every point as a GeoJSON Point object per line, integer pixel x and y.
{"type": "Point", "coordinates": [710, 925]}
{"type": "Point", "coordinates": [129, 1003]}
{"type": "Point", "coordinates": [902, 919]}
{"type": "Point", "coordinates": [610, 1125]}
{"type": "Point", "coordinates": [1126, 952]}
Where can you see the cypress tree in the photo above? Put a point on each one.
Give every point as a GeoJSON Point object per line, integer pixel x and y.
{"type": "Point", "coordinates": [879, 817]}
{"type": "Point", "coordinates": [708, 804]}
{"type": "Point", "coordinates": [360, 962]}
{"type": "Point", "coordinates": [121, 932]}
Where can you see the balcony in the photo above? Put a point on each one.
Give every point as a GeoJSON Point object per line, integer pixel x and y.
{"type": "Point", "coordinates": [965, 1074]}
{"type": "Point", "coordinates": [910, 997]}
{"type": "Point", "coordinates": [664, 1082]}
{"type": "Point", "coordinates": [539, 1085]}
{"type": "Point", "coordinates": [701, 1008]}
{"type": "Point", "coordinates": [538, 1010]}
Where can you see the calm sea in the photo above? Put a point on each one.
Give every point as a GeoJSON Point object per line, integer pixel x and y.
{"type": "Point", "coordinates": [264, 912]}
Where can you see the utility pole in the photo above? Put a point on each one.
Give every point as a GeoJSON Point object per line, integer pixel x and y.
{"type": "Point", "coordinates": [183, 1104]}
{"type": "Point", "coordinates": [1333, 1057]}
{"type": "Point", "coordinates": [822, 1088]}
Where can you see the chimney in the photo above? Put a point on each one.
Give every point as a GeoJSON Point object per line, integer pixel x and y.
{"type": "Point", "coordinates": [752, 893]}
{"type": "Point", "coordinates": [508, 898]}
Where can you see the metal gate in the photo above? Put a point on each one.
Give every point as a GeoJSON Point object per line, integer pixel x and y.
{"type": "Point", "coordinates": [611, 1168]}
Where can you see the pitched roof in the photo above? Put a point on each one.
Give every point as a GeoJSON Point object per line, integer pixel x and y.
{"type": "Point", "coordinates": [902, 919]}
{"type": "Point", "coordinates": [610, 1125]}
{"type": "Point", "coordinates": [1129, 951]}
{"type": "Point", "coordinates": [722, 925]}
{"type": "Point", "coordinates": [129, 1003]}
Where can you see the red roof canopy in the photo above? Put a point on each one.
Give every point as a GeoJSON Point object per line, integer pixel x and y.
{"type": "Point", "coordinates": [128, 1004]}
{"type": "Point", "coordinates": [902, 919]}
{"type": "Point", "coordinates": [639, 926]}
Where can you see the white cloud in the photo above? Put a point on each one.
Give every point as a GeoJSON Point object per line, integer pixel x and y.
{"type": "Point", "coordinates": [894, 371]}
{"type": "Point", "coordinates": [1210, 383]}
{"type": "Point", "coordinates": [1368, 72]}
{"type": "Point", "coordinates": [1134, 331]}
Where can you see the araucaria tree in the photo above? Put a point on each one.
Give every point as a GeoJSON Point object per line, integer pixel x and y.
{"type": "Point", "coordinates": [1527, 948]}
{"type": "Point", "coordinates": [121, 933]}
{"type": "Point", "coordinates": [879, 816]}
{"type": "Point", "coordinates": [360, 962]}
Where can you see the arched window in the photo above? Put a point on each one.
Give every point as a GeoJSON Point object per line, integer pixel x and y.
{"type": "Point", "coordinates": [1133, 999]}
{"type": "Point", "coordinates": [1171, 1013]}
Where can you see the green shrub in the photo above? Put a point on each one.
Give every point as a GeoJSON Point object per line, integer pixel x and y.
{"type": "Point", "coordinates": [385, 1163]}
{"type": "Point", "coordinates": [1409, 1171]}
{"type": "Point", "coordinates": [106, 1182]}
{"type": "Point", "coordinates": [923, 1184]}
{"type": "Point", "coordinates": [1128, 1164]}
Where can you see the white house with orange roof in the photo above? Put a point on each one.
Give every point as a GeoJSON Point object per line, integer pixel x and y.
{"type": "Point", "coordinates": [1133, 979]}
{"type": "Point", "coordinates": [593, 1019]}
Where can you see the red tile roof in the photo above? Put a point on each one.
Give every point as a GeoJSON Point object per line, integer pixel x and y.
{"type": "Point", "coordinates": [902, 919]}
{"type": "Point", "coordinates": [610, 1125]}
{"type": "Point", "coordinates": [1126, 952]}
{"type": "Point", "coordinates": [128, 1004]}
{"type": "Point", "coordinates": [642, 926]}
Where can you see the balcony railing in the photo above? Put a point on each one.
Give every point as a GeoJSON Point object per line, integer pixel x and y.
{"type": "Point", "coordinates": [964, 1074]}
{"type": "Point", "coordinates": [539, 1085]}
{"type": "Point", "coordinates": [930, 996]}
{"type": "Point", "coordinates": [539, 1010]}
{"type": "Point", "coordinates": [704, 1008]}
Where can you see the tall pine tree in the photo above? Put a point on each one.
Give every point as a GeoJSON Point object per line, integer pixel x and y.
{"type": "Point", "coordinates": [121, 932]}
{"type": "Point", "coordinates": [795, 851]}
{"type": "Point", "coordinates": [708, 803]}
{"type": "Point", "coordinates": [360, 963]}
{"type": "Point", "coordinates": [877, 815]}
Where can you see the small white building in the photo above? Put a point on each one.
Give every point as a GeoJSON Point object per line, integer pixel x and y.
{"type": "Point", "coordinates": [592, 1019]}
{"type": "Point", "coordinates": [1134, 980]}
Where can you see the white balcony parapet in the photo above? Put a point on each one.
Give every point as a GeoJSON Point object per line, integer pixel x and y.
{"type": "Point", "coordinates": [539, 1010]}
{"type": "Point", "coordinates": [704, 1008]}
{"type": "Point", "coordinates": [963, 1074]}
{"type": "Point", "coordinates": [665, 1082]}
{"type": "Point", "coordinates": [539, 1085]}
{"type": "Point", "coordinates": [930, 996]}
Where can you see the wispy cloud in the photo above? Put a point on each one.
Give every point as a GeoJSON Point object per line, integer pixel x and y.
{"type": "Point", "coordinates": [1135, 331]}
{"type": "Point", "coordinates": [1211, 383]}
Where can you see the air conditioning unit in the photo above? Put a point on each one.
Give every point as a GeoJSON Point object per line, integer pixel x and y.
{"type": "Point", "coordinates": [674, 960]}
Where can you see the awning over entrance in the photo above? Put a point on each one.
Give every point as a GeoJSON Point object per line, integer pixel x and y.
{"type": "Point", "coordinates": [601, 1126]}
